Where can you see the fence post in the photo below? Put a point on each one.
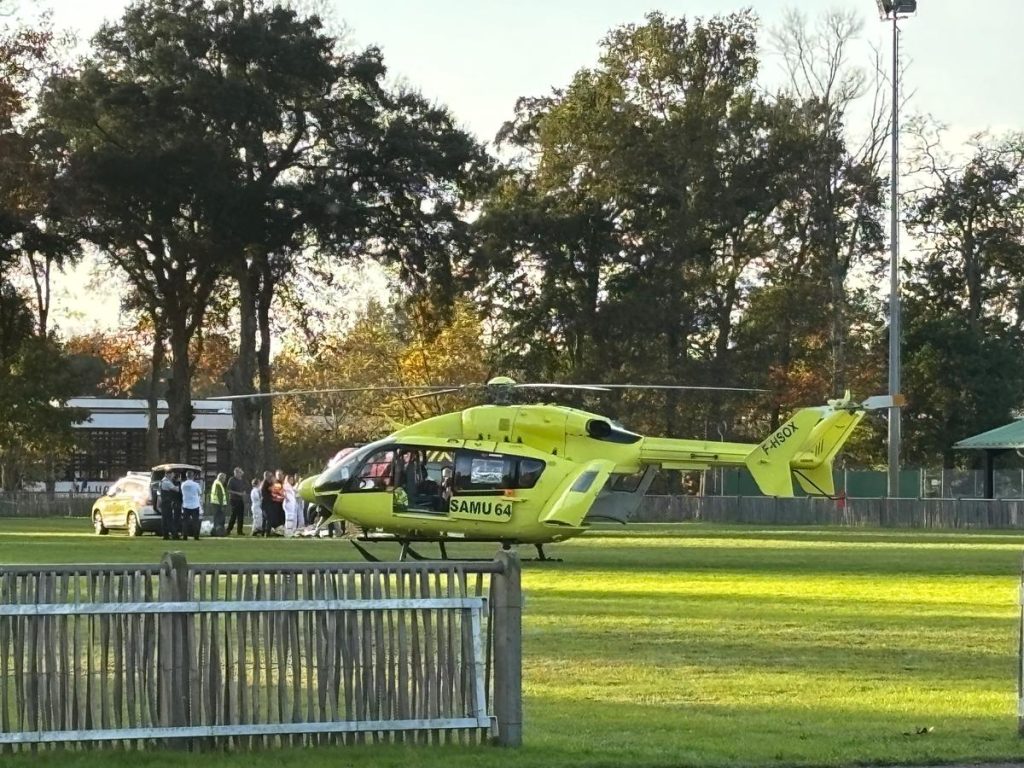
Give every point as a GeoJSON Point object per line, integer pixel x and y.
{"type": "Point", "coordinates": [507, 604]}
{"type": "Point", "coordinates": [1020, 657]}
{"type": "Point", "coordinates": [173, 647]}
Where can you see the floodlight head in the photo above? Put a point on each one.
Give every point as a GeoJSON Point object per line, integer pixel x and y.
{"type": "Point", "coordinates": [896, 8]}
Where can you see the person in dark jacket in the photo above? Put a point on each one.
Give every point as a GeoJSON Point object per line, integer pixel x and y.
{"type": "Point", "coordinates": [269, 505]}
{"type": "Point", "coordinates": [168, 493]}
{"type": "Point", "coordinates": [238, 492]}
{"type": "Point", "coordinates": [179, 531]}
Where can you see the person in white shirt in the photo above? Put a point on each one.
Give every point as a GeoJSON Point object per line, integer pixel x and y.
{"type": "Point", "coordinates": [256, 498]}
{"type": "Point", "coordinates": [300, 505]}
{"type": "Point", "coordinates": [291, 522]}
{"type": "Point", "coordinates": [191, 495]}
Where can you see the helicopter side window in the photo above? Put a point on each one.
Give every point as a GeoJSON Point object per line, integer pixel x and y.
{"type": "Point", "coordinates": [626, 483]}
{"type": "Point", "coordinates": [529, 472]}
{"type": "Point", "coordinates": [475, 471]}
{"type": "Point", "coordinates": [486, 472]}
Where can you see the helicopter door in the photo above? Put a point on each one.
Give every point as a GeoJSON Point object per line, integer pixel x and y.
{"type": "Point", "coordinates": [370, 489]}
{"type": "Point", "coordinates": [578, 494]}
{"type": "Point", "coordinates": [423, 479]}
{"type": "Point", "coordinates": [482, 478]}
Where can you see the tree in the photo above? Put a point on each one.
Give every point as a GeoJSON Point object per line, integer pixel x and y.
{"type": "Point", "coordinates": [406, 348]}
{"type": "Point", "coordinates": [122, 357]}
{"type": "Point", "coordinates": [232, 138]}
{"type": "Point", "coordinates": [965, 294]}
{"type": "Point", "coordinates": [960, 378]}
{"type": "Point", "coordinates": [34, 229]}
{"type": "Point", "coordinates": [35, 384]}
{"type": "Point", "coordinates": [628, 233]}
{"type": "Point", "coordinates": [835, 220]}
{"type": "Point", "coordinates": [125, 362]}
{"type": "Point", "coordinates": [545, 258]}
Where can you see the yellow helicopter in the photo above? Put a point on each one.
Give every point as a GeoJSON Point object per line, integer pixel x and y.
{"type": "Point", "coordinates": [539, 473]}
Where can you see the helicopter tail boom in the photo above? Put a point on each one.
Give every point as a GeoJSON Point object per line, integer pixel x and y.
{"type": "Point", "coordinates": [804, 446]}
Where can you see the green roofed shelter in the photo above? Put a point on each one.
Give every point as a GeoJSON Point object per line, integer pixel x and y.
{"type": "Point", "coordinates": [1006, 438]}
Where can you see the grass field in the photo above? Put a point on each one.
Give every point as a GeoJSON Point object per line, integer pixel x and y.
{"type": "Point", "coordinates": [671, 645]}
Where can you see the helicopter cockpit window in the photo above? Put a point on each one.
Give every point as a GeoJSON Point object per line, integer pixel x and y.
{"type": "Point", "coordinates": [376, 473]}
{"type": "Point", "coordinates": [339, 474]}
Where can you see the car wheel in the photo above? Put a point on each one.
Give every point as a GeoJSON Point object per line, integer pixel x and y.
{"type": "Point", "coordinates": [134, 529]}
{"type": "Point", "coordinates": [97, 523]}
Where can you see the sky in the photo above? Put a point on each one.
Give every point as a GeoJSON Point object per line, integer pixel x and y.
{"type": "Point", "coordinates": [479, 56]}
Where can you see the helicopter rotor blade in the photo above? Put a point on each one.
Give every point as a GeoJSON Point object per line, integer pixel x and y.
{"type": "Point", "coordinates": [439, 392]}
{"type": "Point", "coordinates": [335, 390]}
{"type": "Point", "coordinates": [676, 386]}
{"type": "Point", "coordinates": [427, 390]}
{"type": "Point", "coordinates": [587, 387]}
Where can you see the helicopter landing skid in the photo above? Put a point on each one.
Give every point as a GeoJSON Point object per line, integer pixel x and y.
{"type": "Point", "coordinates": [370, 558]}
{"type": "Point", "coordinates": [408, 553]}
{"type": "Point", "coordinates": [541, 557]}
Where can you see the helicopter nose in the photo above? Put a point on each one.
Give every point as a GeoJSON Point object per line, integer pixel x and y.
{"type": "Point", "coordinates": [305, 489]}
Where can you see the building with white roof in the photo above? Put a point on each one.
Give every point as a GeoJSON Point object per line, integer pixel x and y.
{"type": "Point", "coordinates": [114, 440]}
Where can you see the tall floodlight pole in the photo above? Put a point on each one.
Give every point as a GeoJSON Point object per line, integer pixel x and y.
{"type": "Point", "coordinates": [894, 10]}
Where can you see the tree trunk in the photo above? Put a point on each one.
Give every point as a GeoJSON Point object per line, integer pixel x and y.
{"type": "Point", "coordinates": [41, 281]}
{"type": "Point", "coordinates": [51, 478]}
{"type": "Point", "coordinates": [266, 296]}
{"type": "Point", "coordinates": [721, 374]}
{"type": "Point", "coordinates": [178, 427]}
{"type": "Point", "coordinates": [245, 448]}
{"type": "Point", "coordinates": [972, 278]}
{"type": "Point", "coordinates": [152, 399]}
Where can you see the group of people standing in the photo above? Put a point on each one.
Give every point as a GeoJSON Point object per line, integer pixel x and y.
{"type": "Point", "coordinates": [180, 501]}
{"type": "Point", "coordinates": [277, 508]}
{"type": "Point", "coordinates": [275, 505]}
{"type": "Point", "coordinates": [230, 494]}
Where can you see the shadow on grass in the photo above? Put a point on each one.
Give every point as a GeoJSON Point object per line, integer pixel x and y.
{"type": "Point", "coordinates": [571, 733]}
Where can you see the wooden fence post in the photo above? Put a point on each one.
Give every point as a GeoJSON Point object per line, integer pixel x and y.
{"type": "Point", "coordinates": [173, 647]}
{"type": "Point", "coordinates": [1020, 657]}
{"type": "Point", "coordinates": [507, 605]}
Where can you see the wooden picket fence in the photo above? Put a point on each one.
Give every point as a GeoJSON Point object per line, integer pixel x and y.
{"type": "Point", "coordinates": [257, 655]}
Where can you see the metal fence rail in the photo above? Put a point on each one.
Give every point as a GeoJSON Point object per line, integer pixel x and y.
{"type": "Point", "coordinates": [32, 504]}
{"type": "Point", "coordinates": [872, 513]}
{"type": "Point", "coordinates": [248, 656]}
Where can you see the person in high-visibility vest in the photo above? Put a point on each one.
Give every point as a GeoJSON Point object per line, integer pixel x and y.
{"type": "Point", "coordinates": [218, 500]}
